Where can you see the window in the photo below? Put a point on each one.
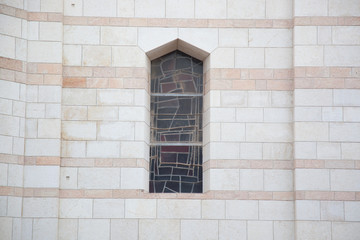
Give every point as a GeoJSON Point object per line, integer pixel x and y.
{"type": "Point", "coordinates": [176, 124]}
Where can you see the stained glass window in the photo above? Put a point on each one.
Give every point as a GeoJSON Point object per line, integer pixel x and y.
{"type": "Point", "coordinates": [176, 124]}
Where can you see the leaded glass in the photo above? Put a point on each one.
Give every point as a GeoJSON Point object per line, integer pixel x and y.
{"type": "Point", "coordinates": [176, 124]}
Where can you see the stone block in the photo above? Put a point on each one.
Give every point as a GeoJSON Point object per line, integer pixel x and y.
{"type": "Point", "coordinates": [308, 56]}
{"type": "Point", "coordinates": [10, 26]}
{"type": "Point", "coordinates": [307, 210]}
{"type": "Point", "coordinates": [269, 132]}
{"type": "Point", "coordinates": [344, 8]}
{"type": "Point", "coordinates": [40, 207]}
{"type": "Point", "coordinates": [150, 9]}
{"type": "Point", "coordinates": [73, 149]}
{"type": "Point", "coordinates": [259, 99]}
{"type": "Point", "coordinates": [96, 56]}
{"type": "Point", "coordinates": [270, 37]}
{"type": "Point", "coordinates": [346, 97]}
{"type": "Point", "coordinates": [242, 9]}
{"type": "Point", "coordinates": [284, 230]}
{"type": "Point", "coordinates": [118, 36]}
{"type": "Point", "coordinates": [126, 229]}
{"type": "Point", "coordinates": [45, 52]}
{"type": "Point", "coordinates": [49, 128]}
{"type": "Point", "coordinates": [327, 150]}
{"type": "Point", "coordinates": [277, 151]}
{"type": "Point", "coordinates": [45, 228]}
{"type": "Point", "coordinates": [151, 38]}
{"type": "Point", "coordinates": [305, 179]}
{"type": "Point", "coordinates": [247, 115]}
{"type": "Point", "coordinates": [233, 37]}
{"type": "Point", "coordinates": [251, 151]}
{"type": "Point", "coordinates": [52, 6]}
{"type": "Point", "coordinates": [78, 130]}
{"type": "Point", "coordinates": [92, 229]}
{"type": "Point", "coordinates": [339, 56]}
{"type": "Point", "coordinates": [242, 209]}
{"type": "Point", "coordinates": [232, 229]}
{"type": "Point", "coordinates": [222, 150]}
{"type": "Point", "coordinates": [352, 114]}
{"type": "Point", "coordinates": [98, 178]}
{"type": "Point", "coordinates": [78, 97]}
{"type": "Point", "coordinates": [203, 38]}
{"type": "Point", "coordinates": [15, 175]}
{"type": "Point", "coordinates": [199, 229]}
{"type": "Point", "coordinates": [232, 132]}
{"type": "Point", "coordinates": [9, 50]}
{"type": "Point", "coordinates": [68, 229]}
{"type": "Point", "coordinates": [313, 230]}
{"type": "Point", "coordinates": [76, 208]}
{"type": "Point", "coordinates": [311, 8]}
{"type": "Point", "coordinates": [251, 180]}
{"type": "Point", "coordinates": [276, 210]}
{"type": "Point", "coordinates": [278, 180]}
{"type": "Point", "coordinates": [278, 58]}
{"type": "Point", "coordinates": [222, 58]}
{"type": "Point", "coordinates": [345, 180]}
{"type": "Point", "coordinates": [159, 229]}
{"type": "Point", "coordinates": [265, 233]}
{"type": "Point", "coordinates": [311, 131]}
{"type": "Point", "coordinates": [51, 31]}
{"type": "Point", "coordinates": [332, 210]}
{"type": "Point", "coordinates": [345, 230]}
{"type": "Point", "coordinates": [345, 132]}
{"type": "Point", "coordinates": [68, 178]}
{"type": "Point", "coordinates": [134, 178]}
{"type": "Point", "coordinates": [125, 56]}
{"type": "Point", "coordinates": [41, 176]}
{"type": "Point", "coordinates": [249, 58]}
{"type": "Point", "coordinates": [140, 208]}
{"type": "Point", "coordinates": [279, 9]}
{"type": "Point", "coordinates": [42, 147]}
{"type": "Point", "coordinates": [9, 90]}
{"type": "Point", "coordinates": [350, 151]}
{"type": "Point", "coordinates": [81, 34]}
{"type": "Point", "coordinates": [104, 9]}
{"type": "Point", "coordinates": [109, 208]}
{"type": "Point", "coordinates": [126, 8]}
{"type": "Point", "coordinates": [212, 209]}
{"type": "Point", "coordinates": [278, 115]}
{"type": "Point", "coordinates": [182, 209]}
{"type": "Point", "coordinates": [72, 55]}
{"type": "Point", "coordinates": [73, 8]}
{"type": "Point", "coordinates": [180, 9]}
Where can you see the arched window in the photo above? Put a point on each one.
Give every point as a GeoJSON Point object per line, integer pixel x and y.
{"type": "Point", "coordinates": [176, 124]}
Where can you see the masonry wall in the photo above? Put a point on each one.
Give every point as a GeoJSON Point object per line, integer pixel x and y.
{"type": "Point", "coordinates": [281, 119]}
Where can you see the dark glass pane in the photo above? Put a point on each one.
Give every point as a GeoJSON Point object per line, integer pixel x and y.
{"type": "Point", "coordinates": [176, 73]}
{"type": "Point", "coordinates": [179, 167]}
{"type": "Point", "coordinates": [176, 119]}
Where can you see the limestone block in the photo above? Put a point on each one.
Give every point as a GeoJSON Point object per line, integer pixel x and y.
{"type": "Point", "coordinates": [132, 114]}
{"type": "Point", "coordinates": [4, 173]}
{"type": "Point", "coordinates": [278, 58]}
{"type": "Point", "coordinates": [41, 176]}
{"type": "Point", "coordinates": [305, 150]}
{"type": "Point", "coordinates": [313, 230]}
{"type": "Point", "coordinates": [282, 98]}
{"type": "Point", "coordinates": [348, 35]}
{"type": "Point", "coordinates": [270, 37]}
{"type": "Point", "coordinates": [279, 9]}
{"type": "Point", "coordinates": [21, 49]}
{"type": "Point", "coordinates": [68, 229]}
{"type": "Point", "coordinates": [33, 30]}
{"type": "Point", "coordinates": [249, 115]}
{"type": "Point", "coordinates": [115, 131]}
{"type": "Point", "coordinates": [15, 175]}
{"type": "Point", "coordinates": [249, 57]}
{"type": "Point", "coordinates": [68, 178]}
{"type": "Point", "coordinates": [328, 150]}
{"type": "Point", "coordinates": [159, 229]}
{"type": "Point", "coordinates": [119, 36]}
{"type": "Point", "coordinates": [233, 37]}
{"type": "Point", "coordinates": [31, 128]}
{"type": "Point", "coordinates": [42, 147]}
{"type": "Point", "coordinates": [240, 9]}
{"type": "Point", "coordinates": [73, 96]}
{"type": "Point", "coordinates": [115, 97]}
{"type": "Point", "coordinates": [151, 38]}
{"type": "Point", "coordinates": [126, 229]}
{"type": "Point", "coordinates": [109, 208]}
{"type": "Point", "coordinates": [222, 150]}
{"type": "Point", "coordinates": [352, 211]}
{"type": "Point", "coordinates": [73, 149]}
{"type": "Point", "coordinates": [232, 229]}
{"type": "Point", "coordinates": [344, 8]}
{"type": "Point", "coordinates": [277, 151]}
{"type": "Point", "coordinates": [52, 6]}
{"type": "Point", "coordinates": [305, 179]}
{"type": "Point", "coordinates": [6, 106]}
{"type": "Point", "coordinates": [332, 210]}
{"type": "Point", "coordinates": [345, 132]}
{"type": "Point", "coordinates": [126, 8]}
{"type": "Point", "coordinates": [99, 178]}
{"type": "Point", "coordinates": [345, 180]}
{"type": "Point", "coordinates": [314, 97]}
{"type": "Point", "coordinates": [350, 151]}
{"type": "Point", "coordinates": [212, 9]}
{"type": "Point", "coordinates": [74, 113]}
{"type": "Point", "coordinates": [278, 115]}
{"type": "Point", "coordinates": [45, 228]}
{"type": "Point", "coordinates": [265, 233]}
{"type": "Point", "coordinates": [13, 3]}
{"type": "Point", "coordinates": [184, 209]}
{"type": "Point", "coordinates": [251, 179]}
{"type": "Point", "coordinates": [311, 131]}
{"type": "Point", "coordinates": [6, 144]}
{"type": "Point", "coordinates": [10, 26]}
{"type": "Point", "coordinates": [140, 208]}
{"type": "Point", "coordinates": [259, 99]}
{"type": "Point", "coordinates": [81, 34]}
{"type": "Point", "coordinates": [73, 8]}
{"type": "Point", "coordinates": [51, 31]}
{"type": "Point", "coordinates": [40, 207]}
{"type": "Point", "coordinates": [9, 125]}
{"type": "Point", "coordinates": [346, 97]}
{"type": "Point", "coordinates": [18, 146]}
{"type": "Point", "coordinates": [309, 56]}
{"type": "Point", "coordinates": [18, 108]}
{"type": "Point", "coordinates": [103, 113]}
{"type": "Point", "coordinates": [352, 114]}
{"type": "Point", "coordinates": [269, 132]}
{"type": "Point", "coordinates": [92, 229]}
{"type": "Point", "coordinates": [324, 35]}
{"type": "Point", "coordinates": [150, 8]}
{"type": "Point", "coordinates": [232, 132]}
{"type": "Point", "coordinates": [9, 90]}
{"type": "Point", "coordinates": [50, 94]}
{"type": "Point", "coordinates": [76, 208]}
{"type": "Point", "coordinates": [6, 228]}
{"type": "Point", "coordinates": [332, 114]}
{"type": "Point", "coordinates": [345, 230]}
{"type": "Point", "coordinates": [142, 132]}
{"type": "Point", "coordinates": [49, 128]}
{"type": "Point", "coordinates": [342, 56]}
{"type": "Point", "coordinates": [233, 98]}
{"type": "Point", "coordinates": [106, 8]}
{"type": "Point", "coordinates": [134, 178]}
{"type": "Point", "coordinates": [41, 51]}
{"type": "Point", "coordinates": [180, 9]}
{"type": "Point", "coordinates": [96, 56]}
{"type": "Point", "coordinates": [278, 180]}
{"type": "Point", "coordinates": [72, 55]}
{"type": "Point", "coordinates": [199, 229]}
{"type": "Point", "coordinates": [311, 8]}
{"type": "Point", "coordinates": [78, 130]}
{"type": "Point", "coordinates": [133, 150]}
{"type": "Point", "coordinates": [250, 151]}
{"type": "Point", "coordinates": [276, 210]}
{"type": "Point", "coordinates": [307, 210]}
{"type": "Point", "coordinates": [284, 230]}
{"type": "Point", "coordinates": [128, 57]}
{"type": "Point", "coordinates": [203, 38]}
{"type": "Point", "coordinates": [242, 209]}
{"type": "Point", "coordinates": [212, 209]}
{"type": "Point", "coordinates": [222, 58]}
{"type": "Point", "coordinates": [3, 205]}
{"type": "Point", "coordinates": [9, 50]}
{"type": "Point", "coordinates": [26, 228]}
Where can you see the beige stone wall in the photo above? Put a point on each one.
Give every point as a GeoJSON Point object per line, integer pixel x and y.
{"type": "Point", "coordinates": [281, 119]}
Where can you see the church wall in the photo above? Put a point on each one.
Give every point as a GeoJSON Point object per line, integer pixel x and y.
{"type": "Point", "coordinates": [281, 125]}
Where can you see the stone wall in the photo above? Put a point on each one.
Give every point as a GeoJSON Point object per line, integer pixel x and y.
{"type": "Point", "coordinates": [281, 119]}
